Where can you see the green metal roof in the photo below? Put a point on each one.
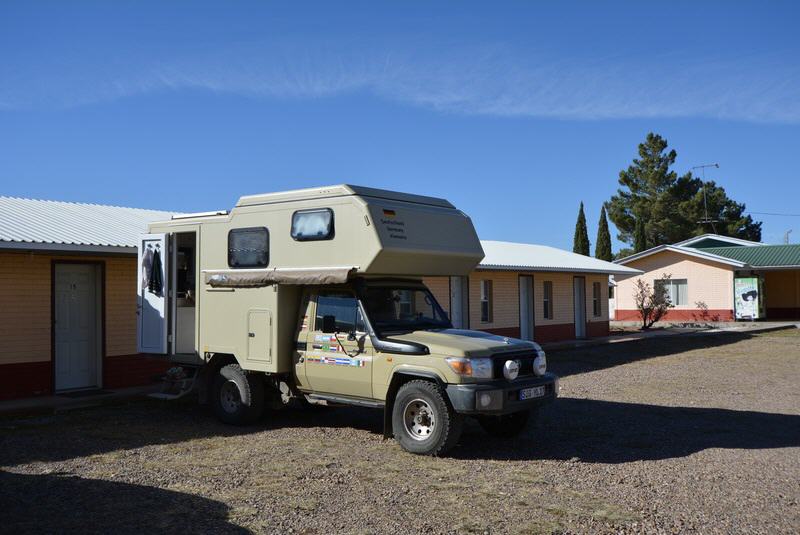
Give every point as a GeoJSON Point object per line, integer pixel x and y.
{"type": "Point", "coordinates": [761, 255]}
{"type": "Point", "coordinates": [709, 243]}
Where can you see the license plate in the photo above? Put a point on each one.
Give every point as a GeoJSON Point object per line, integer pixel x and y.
{"type": "Point", "coordinates": [530, 393]}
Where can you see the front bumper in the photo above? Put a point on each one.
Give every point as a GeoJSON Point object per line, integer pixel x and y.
{"type": "Point", "coordinates": [463, 396]}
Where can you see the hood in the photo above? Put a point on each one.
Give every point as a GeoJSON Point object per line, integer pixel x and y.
{"type": "Point", "coordinates": [461, 342]}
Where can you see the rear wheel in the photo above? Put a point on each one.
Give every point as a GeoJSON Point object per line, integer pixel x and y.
{"type": "Point", "coordinates": [506, 426]}
{"type": "Point", "coordinates": [423, 422]}
{"type": "Point", "coordinates": [237, 396]}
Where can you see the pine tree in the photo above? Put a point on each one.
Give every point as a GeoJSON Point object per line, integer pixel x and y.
{"type": "Point", "coordinates": [602, 247]}
{"type": "Point", "coordinates": [639, 236]}
{"type": "Point", "coordinates": [580, 243]}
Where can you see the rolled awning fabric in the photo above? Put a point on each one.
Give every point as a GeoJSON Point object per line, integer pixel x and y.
{"type": "Point", "coordinates": [258, 278]}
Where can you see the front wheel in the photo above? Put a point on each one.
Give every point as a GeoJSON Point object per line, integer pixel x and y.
{"type": "Point", "coordinates": [506, 426]}
{"type": "Point", "coordinates": [237, 396]}
{"type": "Point", "coordinates": [423, 422]}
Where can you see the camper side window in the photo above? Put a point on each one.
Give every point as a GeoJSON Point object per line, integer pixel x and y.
{"type": "Point", "coordinates": [248, 247]}
{"type": "Point", "coordinates": [310, 225]}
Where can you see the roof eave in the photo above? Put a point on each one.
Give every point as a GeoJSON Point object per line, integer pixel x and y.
{"type": "Point", "coordinates": [682, 250]}
{"type": "Point", "coordinates": [67, 247]}
{"type": "Point", "coordinates": [556, 269]}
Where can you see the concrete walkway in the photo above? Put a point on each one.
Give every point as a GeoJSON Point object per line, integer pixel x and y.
{"type": "Point", "coordinates": [61, 403]}
{"type": "Point", "coordinates": [720, 328]}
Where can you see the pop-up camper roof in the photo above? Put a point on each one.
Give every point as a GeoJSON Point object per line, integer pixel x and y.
{"type": "Point", "coordinates": [372, 232]}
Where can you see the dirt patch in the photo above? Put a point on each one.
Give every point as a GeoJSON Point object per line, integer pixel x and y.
{"type": "Point", "coordinates": [678, 434]}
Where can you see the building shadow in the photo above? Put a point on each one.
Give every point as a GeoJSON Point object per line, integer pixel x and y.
{"type": "Point", "coordinates": [574, 361]}
{"type": "Point", "coordinates": [63, 503]}
{"type": "Point", "coordinates": [147, 422]}
{"type": "Point", "coordinates": [595, 431]}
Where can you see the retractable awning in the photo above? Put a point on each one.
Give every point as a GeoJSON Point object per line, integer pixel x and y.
{"type": "Point", "coordinates": [258, 278]}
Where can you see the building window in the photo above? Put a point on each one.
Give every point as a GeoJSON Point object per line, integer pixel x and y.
{"type": "Point", "coordinates": [610, 292]}
{"type": "Point", "coordinates": [248, 247]}
{"type": "Point", "coordinates": [596, 308]}
{"type": "Point", "coordinates": [312, 225]}
{"type": "Point", "coordinates": [677, 290]}
{"type": "Point", "coordinates": [486, 301]}
{"type": "Point", "coordinates": [548, 300]}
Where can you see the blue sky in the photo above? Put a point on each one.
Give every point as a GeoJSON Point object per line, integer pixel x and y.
{"type": "Point", "coordinates": [514, 111]}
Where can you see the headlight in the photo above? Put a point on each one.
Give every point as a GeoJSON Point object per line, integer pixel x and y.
{"type": "Point", "coordinates": [480, 368]}
{"type": "Point", "coordinates": [540, 363]}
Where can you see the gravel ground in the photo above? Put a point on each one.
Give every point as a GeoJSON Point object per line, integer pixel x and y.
{"type": "Point", "coordinates": [684, 434]}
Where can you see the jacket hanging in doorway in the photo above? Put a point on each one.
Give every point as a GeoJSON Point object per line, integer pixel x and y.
{"type": "Point", "coordinates": [155, 283]}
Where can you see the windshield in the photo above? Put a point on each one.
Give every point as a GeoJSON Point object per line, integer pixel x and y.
{"type": "Point", "coordinates": [398, 308]}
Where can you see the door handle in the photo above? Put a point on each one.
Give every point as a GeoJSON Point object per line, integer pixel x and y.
{"type": "Point", "coordinates": [251, 335]}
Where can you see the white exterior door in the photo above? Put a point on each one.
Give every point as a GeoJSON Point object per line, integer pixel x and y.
{"type": "Point", "coordinates": [459, 302]}
{"type": "Point", "coordinates": [152, 287]}
{"type": "Point", "coordinates": [579, 295]}
{"type": "Point", "coordinates": [76, 326]}
{"type": "Point", "coordinates": [526, 307]}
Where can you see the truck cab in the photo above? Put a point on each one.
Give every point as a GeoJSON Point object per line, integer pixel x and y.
{"type": "Point", "coordinates": [316, 297]}
{"type": "Point", "coordinates": [377, 341]}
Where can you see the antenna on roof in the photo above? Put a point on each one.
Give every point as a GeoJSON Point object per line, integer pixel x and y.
{"type": "Point", "coordinates": [706, 219]}
{"type": "Point", "coordinates": [786, 236]}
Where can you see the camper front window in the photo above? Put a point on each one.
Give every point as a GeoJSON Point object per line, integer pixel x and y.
{"type": "Point", "coordinates": [398, 308]}
{"type": "Point", "coordinates": [248, 247]}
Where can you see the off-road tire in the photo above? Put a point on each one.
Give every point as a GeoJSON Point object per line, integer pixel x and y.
{"type": "Point", "coordinates": [241, 405]}
{"type": "Point", "coordinates": [445, 431]}
{"type": "Point", "coordinates": [506, 426]}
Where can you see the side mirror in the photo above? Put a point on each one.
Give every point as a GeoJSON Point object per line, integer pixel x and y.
{"type": "Point", "coordinates": [328, 324]}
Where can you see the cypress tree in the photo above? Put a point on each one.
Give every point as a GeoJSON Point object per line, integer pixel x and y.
{"type": "Point", "coordinates": [639, 236]}
{"type": "Point", "coordinates": [602, 247]}
{"type": "Point", "coordinates": [580, 243]}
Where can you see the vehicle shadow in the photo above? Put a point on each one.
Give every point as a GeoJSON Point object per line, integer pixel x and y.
{"type": "Point", "coordinates": [574, 361]}
{"type": "Point", "coordinates": [64, 503]}
{"type": "Point", "coordinates": [611, 432]}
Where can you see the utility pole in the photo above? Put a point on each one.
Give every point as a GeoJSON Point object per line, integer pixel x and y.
{"type": "Point", "coordinates": [786, 236]}
{"type": "Point", "coordinates": [706, 219]}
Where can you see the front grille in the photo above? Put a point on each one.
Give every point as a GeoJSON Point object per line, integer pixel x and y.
{"type": "Point", "coordinates": [525, 359]}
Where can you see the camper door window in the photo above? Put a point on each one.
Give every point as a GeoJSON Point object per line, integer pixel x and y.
{"type": "Point", "coordinates": [248, 247]}
{"type": "Point", "coordinates": [310, 225]}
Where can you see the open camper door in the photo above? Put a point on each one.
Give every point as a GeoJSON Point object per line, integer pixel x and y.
{"type": "Point", "coordinates": [152, 290]}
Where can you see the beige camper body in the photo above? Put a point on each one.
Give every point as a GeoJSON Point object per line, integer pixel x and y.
{"type": "Point", "coordinates": [316, 296]}
{"type": "Point", "coordinates": [376, 233]}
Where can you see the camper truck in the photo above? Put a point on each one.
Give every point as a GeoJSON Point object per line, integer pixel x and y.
{"type": "Point", "coordinates": [315, 296]}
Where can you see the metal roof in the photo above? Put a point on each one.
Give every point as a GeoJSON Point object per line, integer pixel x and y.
{"type": "Point", "coordinates": [714, 240]}
{"type": "Point", "coordinates": [69, 226]}
{"type": "Point", "coordinates": [762, 256]}
{"type": "Point", "coordinates": [502, 255]}
{"type": "Point", "coordinates": [689, 251]}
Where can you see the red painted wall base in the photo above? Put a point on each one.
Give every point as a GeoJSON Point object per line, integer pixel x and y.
{"type": "Point", "coordinates": [133, 370]}
{"type": "Point", "coordinates": [680, 315]}
{"type": "Point", "coordinates": [24, 380]}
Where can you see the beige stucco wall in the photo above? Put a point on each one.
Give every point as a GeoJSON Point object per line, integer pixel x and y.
{"type": "Point", "coordinates": [709, 282]}
{"type": "Point", "coordinates": [25, 317]}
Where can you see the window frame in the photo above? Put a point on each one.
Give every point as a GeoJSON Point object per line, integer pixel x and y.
{"type": "Point", "coordinates": [486, 296]}
{"type": "Point", "coordinates": [597, 308]}
{"type": "Point", "coordinates": [547, 300]}
{"type": "Point", "coordinates": [671, 286]}
{"type": "Point", "coordinates": [248, 229]}
{"type": "Point", "coordinates": [331, 232]}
